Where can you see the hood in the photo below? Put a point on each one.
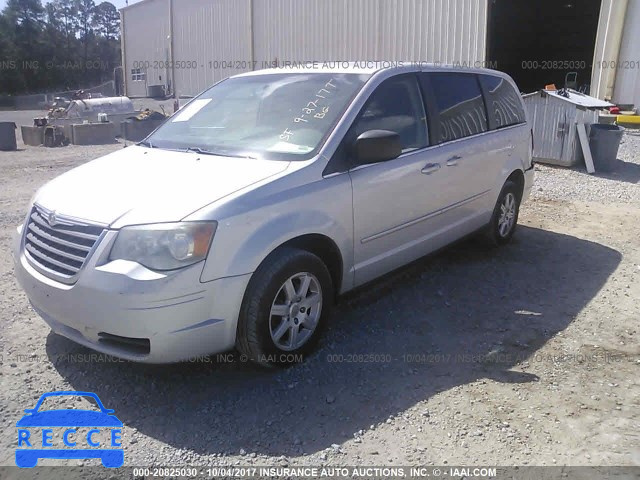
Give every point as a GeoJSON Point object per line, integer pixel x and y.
{"type": "Point", "coordinates": [142, 185]}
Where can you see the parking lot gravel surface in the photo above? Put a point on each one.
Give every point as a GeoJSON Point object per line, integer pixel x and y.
{"type": "Point", "coordinates": [524, 355]}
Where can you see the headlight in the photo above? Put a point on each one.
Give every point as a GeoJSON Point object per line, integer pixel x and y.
{"type": "Point", "coordinates": [164, 246]}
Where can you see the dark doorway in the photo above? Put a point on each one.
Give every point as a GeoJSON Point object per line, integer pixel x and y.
{"type": "Point", "coordinates": [539, 42]}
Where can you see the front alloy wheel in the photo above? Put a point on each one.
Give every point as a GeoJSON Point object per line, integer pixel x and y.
{"type": "Point", "coordinates": [295, 311]}
{"type": "Point", "coordinates": [285, 307]}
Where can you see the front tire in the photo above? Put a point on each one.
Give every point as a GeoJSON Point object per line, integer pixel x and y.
{"type": "Point", "coordinates": [285, 308]}
{"type": "Point", "coordinates": [505, 215]}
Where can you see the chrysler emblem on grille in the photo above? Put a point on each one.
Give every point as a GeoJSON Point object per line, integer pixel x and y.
{"type": "Point", "coordinates": [52, 220]}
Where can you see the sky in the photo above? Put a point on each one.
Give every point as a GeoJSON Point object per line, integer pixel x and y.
{"type": "Point", "coordinates": [118, 3]}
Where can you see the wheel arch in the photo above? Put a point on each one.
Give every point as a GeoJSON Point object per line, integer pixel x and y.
{"type": "Point", "coordinates": [254, 323]}
{"type": "Point", "coordinates": [321, 246]}
{"type": "Point", "coordinates": [517, 177]}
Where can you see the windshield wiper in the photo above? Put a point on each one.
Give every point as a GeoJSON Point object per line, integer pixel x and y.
{"type": "Point", "coordinates": [204, 151]}
{"type": "Point", "coordinates": [144, 143]}
{"type": "Point", "coordinates": [200, 150]}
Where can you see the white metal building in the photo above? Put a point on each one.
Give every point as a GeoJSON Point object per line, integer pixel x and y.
{"type": "Point", "coordinates": [187, 45]}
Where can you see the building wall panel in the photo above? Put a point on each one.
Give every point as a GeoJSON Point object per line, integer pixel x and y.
{"type": "Point", "coordinates": [415, 30]}
{"type": "Point", "coordinates": [307, 30]}
{"type": "Point", "coordinates": [212, 41]}
{"type": "Point", "coordinates": [145, 47]}
{"type": "Point", "coordinates": [627, 82]}
{"type": "Point", "coordinates": [422, 31]}
{"type": "Point", "coordinates": [610, 29]}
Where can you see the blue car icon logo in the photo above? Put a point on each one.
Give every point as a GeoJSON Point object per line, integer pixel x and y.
{"type": "Point", "coordinates": [85, 433]}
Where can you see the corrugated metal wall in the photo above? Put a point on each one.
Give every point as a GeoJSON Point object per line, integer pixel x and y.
{"type": "Point", "coordinates": [627, 84]}
{"type": "Point", "coordinates": [610, 27]}
{"type": "Point", "coordinates": [145, 47]}
{"type": "Point", "coordinates": [299, 30]}
{"type": "Point", "coordinates": [213, 39]}
{"type": "Point", "coordinates": [419, 30]}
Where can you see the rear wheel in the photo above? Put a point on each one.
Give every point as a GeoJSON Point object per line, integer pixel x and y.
{"type": "Point", "coordinates": [505, 215]}
{"type": "Point", "coordinates": [285, 308]}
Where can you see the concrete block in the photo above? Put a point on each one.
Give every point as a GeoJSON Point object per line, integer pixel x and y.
{"type": "Point", "coordinates": [32, 136]}
{"type": "Point", "coordinates": [93, 133]}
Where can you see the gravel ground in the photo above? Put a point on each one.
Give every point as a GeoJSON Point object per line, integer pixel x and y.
{"type": "Point", "coordinates": [526, 355]}
{"type": "Point", "coordinates": [620, 186]}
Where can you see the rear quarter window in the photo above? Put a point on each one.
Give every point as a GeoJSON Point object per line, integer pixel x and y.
{"type": "Point", "coordinates": [503, 102]}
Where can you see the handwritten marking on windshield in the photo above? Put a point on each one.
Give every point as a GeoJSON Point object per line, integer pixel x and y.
{"type": "Point", "coordinates": [313, 109]}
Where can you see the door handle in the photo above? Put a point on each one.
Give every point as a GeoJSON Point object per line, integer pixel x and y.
{"type": "Point", "coordinates": [430, 168]}
{"type": "Point", "coordinates": [453, 161]}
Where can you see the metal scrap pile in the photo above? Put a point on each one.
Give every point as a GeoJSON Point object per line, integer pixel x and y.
{"type": "Point", "coordinates": [59, 112]}
{"type": "Point", "coordinates": [148, 114]}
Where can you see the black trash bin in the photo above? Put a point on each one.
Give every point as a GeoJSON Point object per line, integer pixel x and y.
{"type": "Point", "coordinates": [8, 136]}
{"type": "Point", "coordinates": [604, 141]}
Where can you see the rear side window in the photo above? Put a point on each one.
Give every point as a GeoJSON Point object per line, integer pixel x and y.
{"type": "Point", "coordinates": [461, 109]}
{"type": "Point", "coordinates": [503, 102]}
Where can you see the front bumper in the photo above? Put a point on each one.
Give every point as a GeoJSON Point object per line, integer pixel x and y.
{"type": "Point", "coordinates": [119, 307]}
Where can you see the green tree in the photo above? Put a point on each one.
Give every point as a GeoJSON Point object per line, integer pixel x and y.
{"type": "Point", "coordinates": [106, 20]}
{"type": "Point", "coordinates": [11, 75]}
{"type": "Point", "coordinates": [27, 14]}
{"type": "Point", "coordinates": [55, 39]}
{"type": "Point", "coordinates": [67, 13]}
{"type": "Point", "coordinates": [25, 24]}
{"type": "Point", "coordinates": [63, 45]}
{"type": "Point", "coordinates": [85, 11]}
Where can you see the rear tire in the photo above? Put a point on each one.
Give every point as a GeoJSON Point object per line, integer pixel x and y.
{"type": "Point", "coordinates": [505, 216]}
{"type": "Point", "coordinates": [285, 308]}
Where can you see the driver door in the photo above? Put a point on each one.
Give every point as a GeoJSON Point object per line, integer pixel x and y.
{"type": "Point", "coordinates": [396, 202]}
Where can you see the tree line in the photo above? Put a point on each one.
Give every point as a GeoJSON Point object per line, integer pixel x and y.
{"type": "Point", "coordinates": [59, 46]}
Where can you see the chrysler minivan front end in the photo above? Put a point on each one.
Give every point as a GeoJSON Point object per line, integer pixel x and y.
{"type": "Point", "coordinates": [110, 254]}
{"type": "Point", "coordinates": [106, 298]}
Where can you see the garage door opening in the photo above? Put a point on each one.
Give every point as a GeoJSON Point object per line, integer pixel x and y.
{"type": "Point", "coordinates": [540, 42]}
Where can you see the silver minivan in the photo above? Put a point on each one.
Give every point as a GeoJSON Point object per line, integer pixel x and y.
{"type": "Point", "coordinates": [239, 221]}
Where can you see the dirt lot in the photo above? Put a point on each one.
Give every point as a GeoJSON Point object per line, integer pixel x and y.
{"type": "Point", "coordinates": [526, 355]}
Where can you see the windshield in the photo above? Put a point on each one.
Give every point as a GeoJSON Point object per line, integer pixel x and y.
{"type": "Point", "coordinates": [273, 116]}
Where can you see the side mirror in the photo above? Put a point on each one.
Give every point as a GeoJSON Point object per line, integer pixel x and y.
{"type": "Point", "coordinates": [375, 146]}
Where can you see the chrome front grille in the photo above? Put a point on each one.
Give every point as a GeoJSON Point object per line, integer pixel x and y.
{"type": "Point", "coordinates": [56, 245]}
